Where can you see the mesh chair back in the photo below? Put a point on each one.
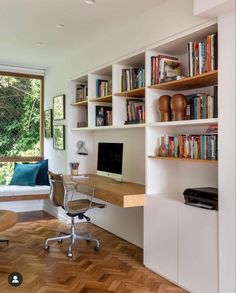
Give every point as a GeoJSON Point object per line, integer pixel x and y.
{"type": "Point", "coordinates": [58, 191]}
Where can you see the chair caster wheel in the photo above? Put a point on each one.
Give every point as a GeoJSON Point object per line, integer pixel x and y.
{"type": "Point", "coordinates": [46, 247]}
{"type": "Point", "coordinates": [59, 241]}
{"type": "Point", "coordinates": [96, 248]}
{"type": "Point", "coordinates": [69, 254]}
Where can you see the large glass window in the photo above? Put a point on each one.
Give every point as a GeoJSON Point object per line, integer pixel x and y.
{"type": "Point", "coordinates": [20, 121]}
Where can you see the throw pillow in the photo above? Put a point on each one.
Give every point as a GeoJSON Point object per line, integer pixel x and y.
{"type": "Point", "coordinates": [25, 174]}
{"type": "Point", "coordinates": [42, 177]}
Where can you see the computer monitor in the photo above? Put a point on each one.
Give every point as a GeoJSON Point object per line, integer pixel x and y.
{"type": "Point", "coordinates": [109, 162]}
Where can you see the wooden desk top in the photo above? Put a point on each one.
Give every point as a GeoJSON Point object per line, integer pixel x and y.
{"type": "Point", "coordinates": [123, 194]}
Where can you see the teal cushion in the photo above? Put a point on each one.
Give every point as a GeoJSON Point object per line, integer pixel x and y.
{"type": "Point", "coordinates": [25, 174]}
{"type": "Point", "coordinates": [42, 176]}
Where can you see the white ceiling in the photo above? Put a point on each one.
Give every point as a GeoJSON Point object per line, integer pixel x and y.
{"type": "Point", "coordinates": [23, 23]}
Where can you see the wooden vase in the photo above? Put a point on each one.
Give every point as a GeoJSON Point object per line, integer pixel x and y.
{"type": "Point", "coordinates": [178, 105]}
{"type": "Point", "coordinates": [164, 107]}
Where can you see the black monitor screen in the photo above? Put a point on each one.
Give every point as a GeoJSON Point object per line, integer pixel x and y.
{"type": "Point", "coordinates": [110, 157]}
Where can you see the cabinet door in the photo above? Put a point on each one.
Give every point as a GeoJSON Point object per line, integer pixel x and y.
{"type": "Point", "coordinates": [160, 236]}
{"type": "Point", "coordinates": [198, 249]}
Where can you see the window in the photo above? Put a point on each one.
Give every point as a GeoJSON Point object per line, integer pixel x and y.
{"type": "Point", "coordinates": [21, 100]}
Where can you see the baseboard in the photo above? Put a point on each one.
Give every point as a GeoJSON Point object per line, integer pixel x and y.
{"type": "Point", "coordinates": [58, 213]}
{"type": "Point", "coordinates": [23, 206]}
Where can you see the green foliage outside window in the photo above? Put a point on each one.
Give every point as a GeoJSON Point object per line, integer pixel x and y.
{"type": "Point", "coordinates": [19, 120]}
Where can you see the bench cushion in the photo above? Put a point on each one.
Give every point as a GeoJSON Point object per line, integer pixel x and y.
{"type": "Point", "coordinates": [17, 190]}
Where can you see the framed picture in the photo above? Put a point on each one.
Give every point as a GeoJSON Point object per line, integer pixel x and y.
{"type": "Point", "coordinates": [59, 137]}
{"type": "Point", "coordinates": [59, 107]}
{"type": "Point", "coordinates": [48, 123]}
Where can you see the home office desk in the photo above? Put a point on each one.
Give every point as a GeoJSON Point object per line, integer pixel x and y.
{"type": "Point", "coordinates": [123, 194]}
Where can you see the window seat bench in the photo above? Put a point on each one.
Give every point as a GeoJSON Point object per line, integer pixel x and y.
{"type": "Point", "coordinates": [18, 193]}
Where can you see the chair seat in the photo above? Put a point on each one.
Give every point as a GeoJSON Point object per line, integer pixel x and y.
{"type": "Point", "coordinates": [7, 219]}
{"type": "Point", "coordinates": [83, 204]}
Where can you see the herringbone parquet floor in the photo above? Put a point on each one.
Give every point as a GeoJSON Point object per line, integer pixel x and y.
{"type": "Point", "coordinates": [117, 267]}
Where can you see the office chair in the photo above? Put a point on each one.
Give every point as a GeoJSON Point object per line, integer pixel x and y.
{"type": "Point", "coordinates": [7, 220]}
{"type": "Point", "coordinates": [61, 195]}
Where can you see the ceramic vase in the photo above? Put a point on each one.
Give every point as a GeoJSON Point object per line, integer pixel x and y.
{"type": "Point", "coordinates": [163, 151]}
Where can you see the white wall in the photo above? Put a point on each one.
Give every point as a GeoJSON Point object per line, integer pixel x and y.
{"type": "Point", "coordinates": [213, 8]}
{"type": "Point", "coordinates": [227, 151]}
{"type": "Point", "coordinates": [165, 20]}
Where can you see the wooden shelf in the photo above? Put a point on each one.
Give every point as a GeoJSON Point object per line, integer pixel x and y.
{"type": "Point", "coordinates": [140, 92]}
{"type": "Point", "coordinates": [182, 159]}
{"type": "Point", "coordinates": [195, 122]}
{"type": "Point", "coordinates": [197, 81]}
{"type": "Point", "coordinates": [107, 99]}
{"type": "Point", "coordinates": [123, 194]}
{"type": "Point", "coordinates": [109, 127]}
{"type": "Point", "coordinates": [82, 103]}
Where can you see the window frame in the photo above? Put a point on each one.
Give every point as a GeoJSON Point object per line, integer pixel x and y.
{"type": "Point", "coordinates": [6, 159]}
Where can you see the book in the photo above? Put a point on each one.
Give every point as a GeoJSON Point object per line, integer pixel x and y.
{"type": "Point", "coordinates": [103, 88]}
{"type": "Point", "coordinates": [189, 146]}
{"type": "Point", "coordinates": [132, 78]}
{"type": "Point", "coordinates": [155, 67]}
{"type": "Point", "coordinates": [103, 116]}
{"type": "Point", "coordinates": [135, 111]}
{"type": "Point", "coordinates": [81, 93]}
{"type": "Point", "coordinates": [215, 106]}
{"type": "Point", "coordinates": [171, 78]}
{"type": "Point", "coordinates": [203, 55]}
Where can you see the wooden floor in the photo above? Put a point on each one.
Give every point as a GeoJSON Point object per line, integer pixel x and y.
{"type": "Point", "coordinates": [117, 267]}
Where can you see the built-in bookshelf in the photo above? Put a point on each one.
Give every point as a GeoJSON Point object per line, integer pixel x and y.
{"type": "Point", "coordinates": [139, 92]}
{"type": "Point", "coordinates": [82, 103]}
{"type": "Point", "coordinates": [187, 83]}
{"type": "Point", "coordinates": [182, 159]}
{"type": "Point", "coordinates": [172, 172]}
{"type": "Point", "coordinates": [168, 176]}
{"type": "Point", "coordinates": [107, 99]}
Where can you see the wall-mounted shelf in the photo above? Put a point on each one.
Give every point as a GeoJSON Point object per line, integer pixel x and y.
{"type": "Point", "coordinates": [82, 103]}
{"type": "Point", "coordinates": [107, 99]}
{"type": "Point", "coordinates": [140, 92]}
{"type": "Point", "coordinates": [182, 159]}
{"type": "Point", "coordinates": [196, 122]}
{"type": "Point", "coordinates": [197, 81]}
{"type": "Point", "coordinates": [118, 127]}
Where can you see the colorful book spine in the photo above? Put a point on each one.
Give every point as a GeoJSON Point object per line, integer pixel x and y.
{"type": "Point", "coordinates": [203, 55]}
{"type": "Point", "coordinates": [201, 147]}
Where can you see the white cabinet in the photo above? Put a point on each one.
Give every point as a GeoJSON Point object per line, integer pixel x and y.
{"type": "Point", "coordinates": [198, 249]}
{"type": "Point", "coordinates": [181, 242]}
{"type": "Point", "coordinates": [160, 236]}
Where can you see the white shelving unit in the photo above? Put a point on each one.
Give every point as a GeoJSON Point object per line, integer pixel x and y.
{"type": "Point", "coordinates": [178, 232]}
{"type": "Point", "coordinates": [165, 246]}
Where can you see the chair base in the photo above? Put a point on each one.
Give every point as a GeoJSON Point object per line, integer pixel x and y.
{"type": "Point", "coordinates": [72, 236]}
{"type": "Point", "coordinates": [4, 241]}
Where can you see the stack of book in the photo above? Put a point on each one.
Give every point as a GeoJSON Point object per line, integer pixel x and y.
{"type": "Point", "coordinates": [103, 88]}
{"type": "Point", "coordinates": [103, 116]}
{"type": "Point", "coordinates": [202, 106]}
{"type": "Point", "coordinates": [135, 111]}
{"type": "Point", "coordinates": [212, 129]}
{"type": "Point", "coordinates": [132, 78]}
{"type": "Point", "coordinates": [164, 68]}
{"type": "Point", "coordinates": [202, 147]}
{"type": "Point", "coordinates": [202, 56]}
{"type": "Point", "coordinates": [81, 93]}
